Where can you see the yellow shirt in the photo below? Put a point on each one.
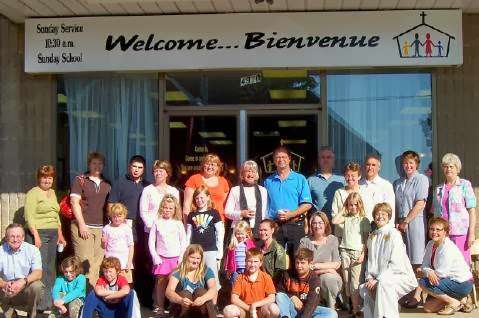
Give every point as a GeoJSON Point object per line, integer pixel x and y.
{"type": "Point", "coordinates": [41, 212]}
{"type": "Point", "coordinates": [355, 230]}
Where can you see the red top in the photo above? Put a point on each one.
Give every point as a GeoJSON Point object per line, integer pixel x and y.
{"type": "Point", "coordinates": [121, 282]}
{"type": "Point", "coordinates": [218, 194]}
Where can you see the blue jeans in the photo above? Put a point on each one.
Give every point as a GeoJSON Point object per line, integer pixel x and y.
{"type": "Point", "coordinates": [449, 287]}
{"type": "Point", "coordinates": [123, 309]}
{"type": "Point", "coordinates": [286, 308]}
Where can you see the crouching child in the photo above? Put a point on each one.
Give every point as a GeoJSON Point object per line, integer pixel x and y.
{"type": "Point", "coordinates": [69, 290]}
{"type": "Point", "coordinates": [253, 292]}
{"type": "Point", "coordinates": [298, 290]}
{"type": "Point", "coordinates": [112, 296]}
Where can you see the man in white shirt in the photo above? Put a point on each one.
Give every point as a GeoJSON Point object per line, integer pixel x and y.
{"type": "Point", "coordinates": [380, 189]}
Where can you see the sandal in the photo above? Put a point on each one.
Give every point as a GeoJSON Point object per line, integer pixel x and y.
{"type": "Point", "coordinates": [449, 310]}
{"type": "Point", "coordinates": [411, 303]}
{"type": "Point", "coordinates": [467, 307]}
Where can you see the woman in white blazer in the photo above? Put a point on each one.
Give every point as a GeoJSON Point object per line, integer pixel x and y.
{"type": "Point", "coordinates": [446, 275]}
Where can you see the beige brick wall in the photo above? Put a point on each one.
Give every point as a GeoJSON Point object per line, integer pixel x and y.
{"type": "Point", "coordinates": [27, 114]}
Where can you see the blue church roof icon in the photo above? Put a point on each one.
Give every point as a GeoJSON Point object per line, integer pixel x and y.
{"type": "Point", "coordinates": [424, 41]}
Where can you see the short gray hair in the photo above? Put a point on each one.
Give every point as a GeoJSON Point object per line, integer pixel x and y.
{"type": "Point", "coordinates": [452, 159]}
{"type": "Point", "coordinates": [249, 164]}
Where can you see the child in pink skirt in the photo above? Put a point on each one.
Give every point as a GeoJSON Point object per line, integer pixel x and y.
{"type": "Point", "coordinates": [167, 243]}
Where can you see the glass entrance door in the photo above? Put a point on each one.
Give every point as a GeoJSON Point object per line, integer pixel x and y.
{"type": "Point", "coordinates": [299, 133]}
{"type": "Point", "coordinates": [235, 138]}
{"type": "Point", "coordinates": [192, 137]}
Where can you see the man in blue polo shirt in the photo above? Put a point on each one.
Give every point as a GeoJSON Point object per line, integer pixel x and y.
{"type": "Point", "coordinates": [324, 183]}
{"type": "Point", "coordinates": [289, 199]}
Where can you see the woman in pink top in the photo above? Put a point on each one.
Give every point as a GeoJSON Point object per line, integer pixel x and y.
{"type": "Point", "coordinates": [455, 201]}
{"type": "Point", "coordinates": [210, 177]}
{"type": "Point", "coordinates": [167, 242]}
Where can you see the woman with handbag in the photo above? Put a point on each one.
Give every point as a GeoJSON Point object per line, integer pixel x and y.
{"type": "Point", "coordinates": [44, 227]}
{"type": "Point", "coordinates": [88, 200]}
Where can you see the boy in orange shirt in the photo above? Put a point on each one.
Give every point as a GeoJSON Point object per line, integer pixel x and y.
{"type": "Point", "coordinates": [253, 293]}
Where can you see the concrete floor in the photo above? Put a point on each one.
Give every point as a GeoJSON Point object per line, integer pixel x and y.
{"type": "Point", "coordinates": [406, 313]}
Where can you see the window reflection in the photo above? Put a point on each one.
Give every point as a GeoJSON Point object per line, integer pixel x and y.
{"type": "Point", "coordinates": [296, 132]}
{"type": "Point", "coordinates": [240, 88]}
{"type": "Point", "coordinates": [384, 114]}
{"type": "Point", "coordinates": [191, 138]}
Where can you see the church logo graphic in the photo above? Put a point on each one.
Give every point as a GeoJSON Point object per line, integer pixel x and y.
{"type": "Point", "coordinates": [424, 41]}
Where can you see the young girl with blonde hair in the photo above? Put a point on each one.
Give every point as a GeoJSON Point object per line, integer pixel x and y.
{"type": "Point", "coordinates": [166, 242]}
{"type": "Point", "coordinates": [355, 227]}
{"type": "Point", "coordinates": [117, 239]}
{"type": "Point", "coordinates": [192, 286]}
{"type": "Point", "coordinates": [241, 242]}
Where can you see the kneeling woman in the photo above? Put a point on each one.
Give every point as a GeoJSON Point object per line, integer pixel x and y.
{"type": "Point", "coordinates": [192, 287]}
{"type": "Point", "coordinates": [389, 274]}
{"type": "Point", "coordinates": [447, 277]}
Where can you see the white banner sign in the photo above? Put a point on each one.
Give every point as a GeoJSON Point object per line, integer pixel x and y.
{"type": "Point", "coordinates": [257, 40]}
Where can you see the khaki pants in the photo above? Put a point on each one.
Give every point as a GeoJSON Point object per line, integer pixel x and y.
{"type": "Point", "coordinates": [351, 273]}
{"type": "Point", "coordinates": [330, 287]}
{"type": "Point", "coordinates": [74, 309]}
{"type": "Point", "coordinates": [89, 251]}
{"type": "Point", "coordinates": [26, 300]}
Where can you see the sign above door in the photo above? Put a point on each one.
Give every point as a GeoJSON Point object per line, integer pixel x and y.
{"type": "Point", "coordinates": [239, 41]}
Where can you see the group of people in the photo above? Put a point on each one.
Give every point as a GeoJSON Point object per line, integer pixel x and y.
{"type": "Point", "coordinates": [294, 247]}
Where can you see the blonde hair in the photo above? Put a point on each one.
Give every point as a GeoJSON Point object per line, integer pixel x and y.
{"type": "Point", "coordinates": [214, 158]}
{"type": "Point", "coordinates": [385, 207]}
{"type": "Point", "coordinates": [240, 226]}
{"type": "Point", "coordinates": [354, 196]}
{"type": "Point", "coordinates": [169, 198]}
{"type": "Point", "coordinates": [117, 209]}
{"type": "Point", "coordinates": [183, 268]}
{"type": "Point", "coordinates": [163, 164]}
{"type": "Point", "coordinates": [202, 189]}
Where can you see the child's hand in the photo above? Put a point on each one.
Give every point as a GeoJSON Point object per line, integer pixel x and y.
{"type": "Point", "coordinates": [360, 260]}
{"type": "Point", "coordinates": [58, 303]}
{"type": "Point", "coordinates": [104, 241]}
{"type": "Point", "coordinates": [298, 304]}
{"type": "Point", "coordinates": [199, 301]}
{"type": "Point", "coordinates": [186, 302]}
{"type": "Point", "coordinates": [62, 309]}
{"type": "Point", "coordinates": [157, 260]}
